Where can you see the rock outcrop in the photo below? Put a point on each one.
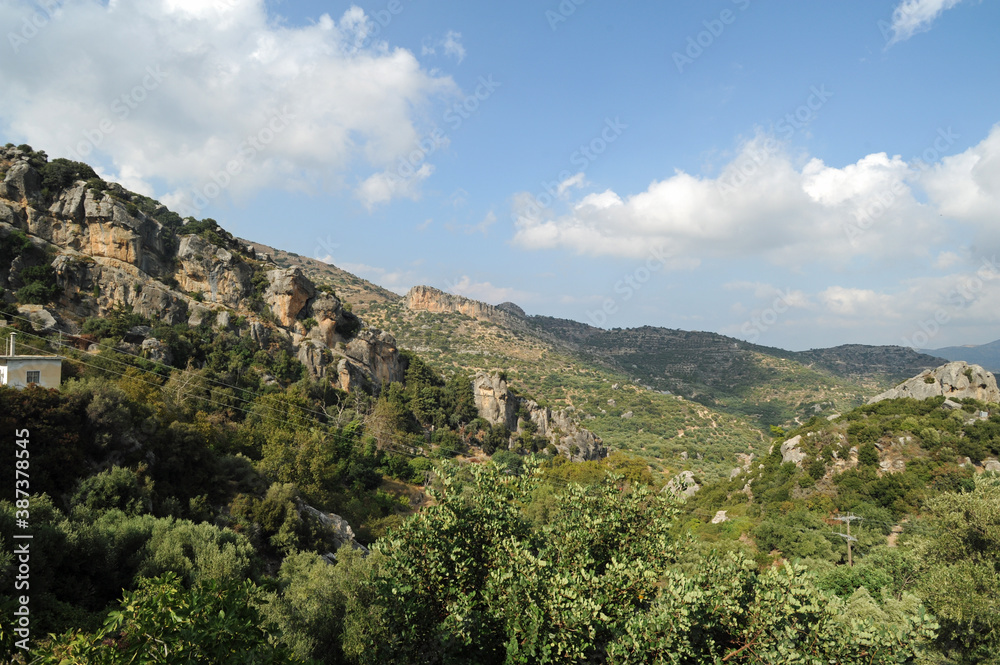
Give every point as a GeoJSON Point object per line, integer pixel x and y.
{"type": "Point", "coordinates": [106, 251]}
{"type": "Point", "coordinates": [956, 380]}
{"type": "Point", "coordinates": [683, 484]}
{"type": "Point", "coordinates": [429, 299]}
{"type": "Point", "coordinates": [336, 527]}
{"type": "Point", "coordinates": [790, 451]}
{"type": "Point", "coordinates": [499, 406]}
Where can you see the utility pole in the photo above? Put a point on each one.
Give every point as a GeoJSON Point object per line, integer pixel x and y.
{"type": "Point", "coordinates": [847, 536]}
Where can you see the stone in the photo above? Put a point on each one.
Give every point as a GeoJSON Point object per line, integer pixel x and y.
{"type": "Point", "coordinates": [287, 294]}
{"type": "Point", "coordinates": [41, 318]}
{"type": "Point", "coordinates": [991, 465]}
{"type": "Point", "coordinates": [23, 182]}
{"type": "Point", "coordinates": [155, 350]}
{"type": "Point", "coordinates": [790, 451]}
{"type": "Point", "coordinates": [429, 299]}
{"type": "Point", "coordinates": [498, 405]}
{"type": "Point", "coordinates": [683, 484]}
{"type": "Point", "coordinates": [720, 517]}
{"type": "Point", "coordinates": [954, 380]}
{"type": "Point", "coordinates": [627, 415]}
{"type": "Point", "coordinates": [336, 527]}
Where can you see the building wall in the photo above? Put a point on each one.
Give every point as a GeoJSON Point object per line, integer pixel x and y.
{"type": "Point", "coordinates": [18, 368]}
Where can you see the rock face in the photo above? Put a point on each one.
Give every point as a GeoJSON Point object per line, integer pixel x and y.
{"type": "Point", "coordinates": [107, 253]}
{"type": "Point", "coordinates": [429, 299]}
{"type": "Point", "coordinates": [683, 484]}
{"type": "Point", "coordinates": [337, 527]}
{"type": "Point", "coordinates": [957, 380]}
{"type": "Point", "coordinates": [790, 451]}
{"type": "Point", "coordinates": [498, 406]}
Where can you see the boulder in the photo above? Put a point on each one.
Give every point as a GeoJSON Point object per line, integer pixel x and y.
{"type": "Point", "coordinates": [720, 517]}
{"type": "Point", "coordinates": [683, 484]}
{"type": "Point", "coordinates": [23, 182]}
{"type": "Point", "coordinates": [991, 465]}
{"type": "Point", "coordinates": [335, 526]}
{"type": "Point", "coordinates": [955, 380]}
{"type": "Point", "coordinates": [791, 453]}
{"type": "Point", "coordinates": [41, 318]}
{"type": "Point", "coordinates": [287, 294]}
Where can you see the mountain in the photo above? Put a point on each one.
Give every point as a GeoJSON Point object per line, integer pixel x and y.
{"type": "Point", "coordinates": [771, 386]}
{"type": "Point", "coordinates": [986, 355]}
{"type": "Point", "coordinates": [87, 249]}
{"type": "Point", "coordinates": [82, 249]}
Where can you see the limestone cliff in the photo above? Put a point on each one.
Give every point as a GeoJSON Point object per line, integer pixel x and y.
{"type": "Point", "coordinates": [956, 380]}
{"type": "Point", "coordinates": [499, 406]}
{"type": "Point", "coordinates": [108, 247]}
{"type": "Point", "coordinates": [429, 299]}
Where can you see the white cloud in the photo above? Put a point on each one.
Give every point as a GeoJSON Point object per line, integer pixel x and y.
{"type": "Point", "coordinates": [385, 186]}
{"type": "Point", "coordinates": [450, 44]}
{"type": "Point", "coordinates": [577, 180]}
{"type": "Point", "coordinates": [946, 260]}
{"type": "Point", "coordinates": [397, 281]}
{"type": "Point", "coordinates": [487, 292]}
{"type": "Point", "coordinates": [202, 81]}
{"type": "Point", "coordinates": [966, 186]}
{"type": "Point", "coordinates": [914, 16]}
{"type": "Point", "coordinates": [764, 203]}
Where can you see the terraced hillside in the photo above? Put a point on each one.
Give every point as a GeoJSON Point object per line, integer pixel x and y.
{"type": "Point", "coordinates": [672, 433]}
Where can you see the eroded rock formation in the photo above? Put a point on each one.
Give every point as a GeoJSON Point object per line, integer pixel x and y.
{"type": "Point", "coordinates": [499, 406]}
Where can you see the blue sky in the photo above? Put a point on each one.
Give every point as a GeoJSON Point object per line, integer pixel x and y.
{"type": "Point", "coordinates": [798, 174]}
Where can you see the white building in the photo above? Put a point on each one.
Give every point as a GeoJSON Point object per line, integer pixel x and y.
{"type": "Point", "coordinates": [22, 371]}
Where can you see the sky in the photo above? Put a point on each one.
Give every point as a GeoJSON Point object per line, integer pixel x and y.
{"type": "Point", "coordinates": [794, 174]}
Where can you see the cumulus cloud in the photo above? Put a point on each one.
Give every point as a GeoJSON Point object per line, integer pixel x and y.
{"type": "Point", "coordinates": [215, 96]}
{"type": "Point", "coordinates": [398, 281]}
{"type": "Point", "coordinates": [387, 185]}
{"type": "Point", "coordinates": [764, 203]}
{"type": "Point", "coordinates": [487, 292]}
{"type": "Point", "coordinates": [914, 16]}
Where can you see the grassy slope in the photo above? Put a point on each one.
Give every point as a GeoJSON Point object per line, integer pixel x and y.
{"type": "Point", "coordinates": [661, 426]}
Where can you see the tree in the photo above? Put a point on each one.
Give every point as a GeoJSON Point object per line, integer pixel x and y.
{"type": "Point", "coordinates": [164, 623]}
{"type": "Point", "coordinates": [961, 581]}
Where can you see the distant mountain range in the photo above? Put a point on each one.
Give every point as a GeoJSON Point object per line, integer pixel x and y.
{"type": "Point", "coordinates": [986, 355]}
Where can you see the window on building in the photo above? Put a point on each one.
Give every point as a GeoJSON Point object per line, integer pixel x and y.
{"type": "Point", "coordinates": [34, 376]}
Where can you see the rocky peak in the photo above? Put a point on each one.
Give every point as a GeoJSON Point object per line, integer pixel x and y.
{"type": "Point", "coordinates": [429, 299]}
{"type": "Point", "coordinates": [108, 247]}
{"type": "Point", "coordinates": [955, 380]}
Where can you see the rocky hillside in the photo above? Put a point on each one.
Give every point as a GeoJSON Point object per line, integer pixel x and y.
{"type": "Point", "coordinates": [84, 248]}
{"type": "Point", "coordinates": [769, 385]}
{"type": "Point", "coordinates": [499, 406]}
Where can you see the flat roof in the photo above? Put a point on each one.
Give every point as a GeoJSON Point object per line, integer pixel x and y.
{"type": "Point", "coordinates": [31, 358]}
